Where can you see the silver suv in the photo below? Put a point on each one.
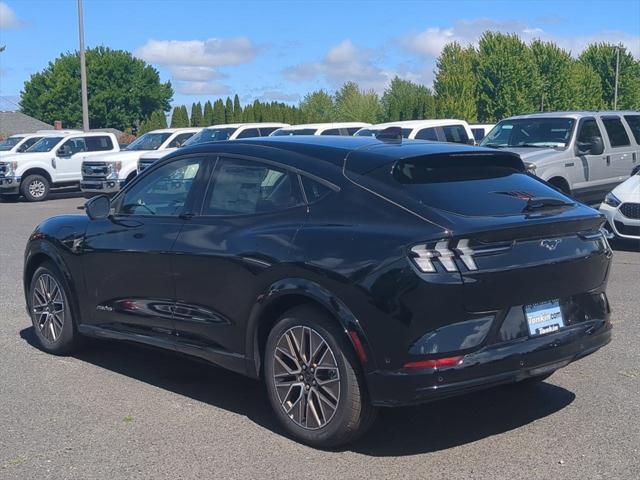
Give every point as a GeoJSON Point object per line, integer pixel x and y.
{"type": "Point", "coordinates": [584, 154]}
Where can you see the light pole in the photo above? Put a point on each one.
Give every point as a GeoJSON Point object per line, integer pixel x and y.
{"type": "Point", "coordinates": [83, 70]}
{"type": "Point", "coordinates": [615, 89]}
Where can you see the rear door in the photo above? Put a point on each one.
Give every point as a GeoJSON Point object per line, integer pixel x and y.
{"type": "Point", "coordinates": [127, 256]}
{"type": "Point", "coordinates": [633, 122]}
{"type": "Point", "coordinates": [225, 257]}
{"type": "Point", "coordinates": [619, 159]}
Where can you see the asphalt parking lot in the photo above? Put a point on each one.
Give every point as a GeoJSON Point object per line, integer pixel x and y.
{"type": "Point", "coordinates": [122, 411]}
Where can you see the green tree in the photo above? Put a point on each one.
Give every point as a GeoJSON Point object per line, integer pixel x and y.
{"type": "Point", "coordinates": [122, 90]}
{"type": "Point", "coordinates": [196, 118]}
{"type": "Point", "coordinates": [218, 112]}
{"type": "Point", "coordinates": [317, 107]}
{"type": "Point", "coordinates": [554, 68]}
{"type": "Point", "coordinates": [507, 77]}
{"type": "Point", "coordinates": [207, 115]}
{"type": "Point", "coordinates": [455, 83]}
{"type": "Point", "coordinates": [585, 87]}
{"type": "Point", "coordinates": [247, 114]}
{"type": "Point", "coordinates": [228, 111]}
{"type": "Point", "coordinates": [237, 109]}
{"type": "Point", "coordinates": [353, 104]}
{"type": "Point", "coordinates": [180, 117]}
{"type": "Point", "coordinates": [155, 121]}
{"type": "Point", "coordinates": [601, 57]}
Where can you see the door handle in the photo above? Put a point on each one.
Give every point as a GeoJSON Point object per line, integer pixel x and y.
{"type": "Point", "coordinates": [608, 159]}
{"type": "Point", "coordinates": [633, 157]}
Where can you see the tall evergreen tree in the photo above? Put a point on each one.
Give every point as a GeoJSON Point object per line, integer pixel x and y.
{"type": "Point", "coordinates": [218, 112]}
{"type": "Point", "coordinates": [237, 109]}
{"type": "Point", "coordinates": [228, 111]}
{"type": "Point", "coordinates": [601, 57]}
{"type": "Point", "coordinates": [585, 88]}
{"type": "Point", "coordinates": [455, 83]}
{"type": "Point", "coordinates": [207, 115]}
{"type": "Point", "coordinates": [196, 119]}
{"type": "Point", "coordinates": [353, 104]}
{"type": "Point", "coordinates": [180, 117]}
{"type": "Point", "coordinates": [554, 67]}
{"type": "Point", "coordinates": [508, 80]}
{"type": "Point", "coordinates": [247, 114]}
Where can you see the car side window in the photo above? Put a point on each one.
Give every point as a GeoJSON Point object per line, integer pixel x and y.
{"type": "Point", "coordinates": [242, 187]}
{"type": "Point", "coordinates": [427, 134]}
{"type": "Point", "coordinates": [588, 130]}
{"type": "Point", "coordinates": [249, 133]}
{"type": "Point", "coordinates": [313, 190]}
{"type": "Point", "coordinates": [164, 192]}
{"type": "Point", "coordinates": [353, 130]}
{"type": "Point", "coordinates": [75, 145]}
{"type": "Point", "coordinates": [331, 131]}
{"type": "Point", "coordinates": [266, 131]}
{"type": "Point", "coordinates": [98, 143]}
{"type": "Point", "coordinates": [27, 143]}
{"type": "Point", "coordinates": [634, 125]}
{"type": "Point", "coordinates": [179, 140]}
{"type": "Point", "coordinates": [455, 134]}
{"type": "Point", "coordinates": [617, 134]}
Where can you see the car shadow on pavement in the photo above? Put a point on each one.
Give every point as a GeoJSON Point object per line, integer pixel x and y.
{"type": "Point", "coordinates": [625, 245]}
{"type": "Point", "coordinates": [397, 432]}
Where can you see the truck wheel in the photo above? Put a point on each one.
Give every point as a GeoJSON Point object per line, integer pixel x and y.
{"type": "Point", "coordinates": [35, 188]}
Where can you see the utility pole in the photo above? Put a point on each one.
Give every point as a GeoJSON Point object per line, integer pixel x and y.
{"type": "Point", "coordinates": [615, 90]}
{"type": "Point", "coordinates": [83, 70]}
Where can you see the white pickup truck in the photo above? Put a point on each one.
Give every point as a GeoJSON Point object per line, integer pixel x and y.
{"type": "Point", "coordinates": [21, 142]}
{"type": "Point", "coordinates": [54, 161]}
{"type": "Point", "coordinates": [109, 173]}
{"type": "Point", "coordinates": [584, 154]}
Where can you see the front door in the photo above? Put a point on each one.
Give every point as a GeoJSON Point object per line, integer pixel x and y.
{"type": "Point", "coordinates": [588, 173]}
{"type": "Point", "coordinates": [127, 257]}
{"type": "Point", "coordinates": [226, 257]}
{"type": "Point", "coordinates": [67, 163]}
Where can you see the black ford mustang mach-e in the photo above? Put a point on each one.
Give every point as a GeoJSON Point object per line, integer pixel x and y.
{"type": "Point", "coordinates": [348, 273]}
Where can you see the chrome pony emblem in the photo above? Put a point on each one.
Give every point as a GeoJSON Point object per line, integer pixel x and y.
{"type": "Point", "coordinates": [550, 245]}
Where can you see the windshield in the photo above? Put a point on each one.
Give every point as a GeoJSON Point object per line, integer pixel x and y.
{"type": "Point", "coordinates": [9, 143]}
{"type": "Point", "coordinates": [372, 132]}
{"type": "Point", "coordinates": [210, 135]}
{"type": "Point", "coordinates": [149, 141]}
{"type": "Point", "coordinates": [45, 144]}
{"type": "Point", "coordinates": [290, 131]}
{"type": "Point", "coordinates": [531, 132]}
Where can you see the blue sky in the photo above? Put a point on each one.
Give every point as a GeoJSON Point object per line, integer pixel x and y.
{"type": "Point", "coordinates": [279, 50]}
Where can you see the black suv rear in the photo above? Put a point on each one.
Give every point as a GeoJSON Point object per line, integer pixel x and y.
{"type": "Point", "coordinates": [348, 273]}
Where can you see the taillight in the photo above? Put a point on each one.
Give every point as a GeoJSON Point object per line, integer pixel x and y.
{"type": "Point", "coordinates": [435, 363]}
{"type": "Point", "coordinates": [424, 256]}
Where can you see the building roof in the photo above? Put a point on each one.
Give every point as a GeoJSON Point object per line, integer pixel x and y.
{"type": "Point", "coordinates": [17, 122]}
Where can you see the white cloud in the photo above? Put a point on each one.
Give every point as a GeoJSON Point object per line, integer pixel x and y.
{"type": "Point", "coordinates": [8, 18]}
{"type": "Point", "coordinates": [343, 62]}
{"type": "Point", "coordinates": [213, 52]}
{"type": "Point", "coordinates": [193, 74]}
{"type": "Point", "coordinates": [278, 96]}
{"type": "Point", "coordinates": [429, 43]}
{"type": "Point", "coordinates": [201, 88]}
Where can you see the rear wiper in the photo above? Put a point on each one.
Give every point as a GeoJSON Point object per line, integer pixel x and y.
{"type": "Point", "coordinates": [538, 203]}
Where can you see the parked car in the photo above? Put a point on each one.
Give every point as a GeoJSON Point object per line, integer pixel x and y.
{"type": "Point", "coordinates": [584, 154]}
{"type": "Point", "coordinates": [480, 130]}
{"type": "Point", "coordinates": [54, 161]}
{"type": "Point", "coordinates": [216, 133]}
{"type": "Point", "coordinates": [621, 206]}
{"type": "Point", "coordinates": [343, 271]}
{"type": "Point", "coordinates": [342, 128]}
{"type": "Point", "coordinates": [109, 173]}
{"type": "Point", "coordinates": [443, 130]}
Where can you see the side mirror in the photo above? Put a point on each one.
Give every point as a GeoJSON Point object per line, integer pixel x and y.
{"type": "Point", "coordinates": [597, 146]}
{"type": "Point", "coordinates": [64, 151]}
{"type": "Point", "coordinates": [98, 207]}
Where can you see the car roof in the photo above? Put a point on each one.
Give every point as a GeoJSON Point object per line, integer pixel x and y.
{"type": "Point", "coordinates": [419, 123]}
{"type": "Point", "coordinates": [256, 125]}
{"type": "Point", "coordinates": [326, 125]}
{"type": "Point", "coordinates": [572, 114]}
{"type": "Point", "coordinates": [174, 130]}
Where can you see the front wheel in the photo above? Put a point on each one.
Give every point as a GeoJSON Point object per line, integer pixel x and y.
{"type": "Point", "coordinates": [51, 312]}
{"type": "Point", "coordinates": [35, 188]}
{"type": "Point", "coordinates": [314, 380]}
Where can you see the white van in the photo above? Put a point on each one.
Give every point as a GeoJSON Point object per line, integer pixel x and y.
{"type": "Point", "coordinates": [442, 130]}
{"type": "Point", "coordinates": [338, 128]}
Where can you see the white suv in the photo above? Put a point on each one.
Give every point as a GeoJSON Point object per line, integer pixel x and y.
{"type": "Point", "coordinates": [340, 129]}
{"type": "Point", "coordinates": [54, 161]}
{"type": "Point", "coordinates": [109, 173]}
{"type": "Point", "coordinates": [442, 130]}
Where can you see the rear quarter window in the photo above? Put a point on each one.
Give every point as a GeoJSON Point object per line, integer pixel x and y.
{"type": "Point", "coordinates": [98, 144]}
{"type": "Point", "coordinates": [617, 134]}
{"type": "Point", "coordinates": [455, 134]}
{"type": "Point", "coordinates": [314, 190]}
{"type": "Point", "coordinates": [634, 125]}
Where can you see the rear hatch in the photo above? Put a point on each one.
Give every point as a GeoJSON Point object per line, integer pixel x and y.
{"type": "Point", "coordinates": [515, 239]}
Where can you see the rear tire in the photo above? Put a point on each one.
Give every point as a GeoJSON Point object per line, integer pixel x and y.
{"type": "Point", "coordinates": [35, 188]}
{"type": "Point", "coordinates": [50, 310]}
{"type": "Point", "coordinates": [319, 396]}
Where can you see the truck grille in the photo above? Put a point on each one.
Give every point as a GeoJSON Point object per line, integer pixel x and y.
{"type": "Point", "coordinates": [3, 169]}
{"type": "Point", "coordinates": [630, 210]}
{"type": "Point", "coordinates": [94, 170]}
{"type": "Point", "coordinates": [142, 164]}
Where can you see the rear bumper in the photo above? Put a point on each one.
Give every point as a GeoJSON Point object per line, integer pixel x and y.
{"type": "Point", "coordinates": [9, 185]}
{"type": "Point", "coordinates": [101, 186]}
{"type": "Point", "coordinates": [492, 365]}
